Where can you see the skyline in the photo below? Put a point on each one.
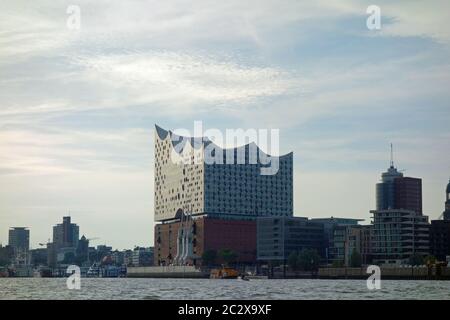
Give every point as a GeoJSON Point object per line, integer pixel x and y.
{"type": "Point", "coordinates": [78, 107]}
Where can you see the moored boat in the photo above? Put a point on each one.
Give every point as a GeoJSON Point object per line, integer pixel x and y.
{"type": "Point", "coordinates": [224, 273]}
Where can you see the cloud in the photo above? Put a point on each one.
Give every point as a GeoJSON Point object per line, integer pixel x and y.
{"type": "Point", "coordinates": [43, 152]}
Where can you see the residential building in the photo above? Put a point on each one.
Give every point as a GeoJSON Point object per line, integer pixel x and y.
{"type": "Point", "coordinates": [398, 235]}
{"type": "Point", "coordinates": [142, 257]}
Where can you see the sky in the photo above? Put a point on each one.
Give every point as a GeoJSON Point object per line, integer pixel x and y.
{"type": "Point", "coordinates": [78, 106]}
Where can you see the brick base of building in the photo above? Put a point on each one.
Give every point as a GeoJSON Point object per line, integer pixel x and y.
{"type": "Point", "coordinates": [214, 234]}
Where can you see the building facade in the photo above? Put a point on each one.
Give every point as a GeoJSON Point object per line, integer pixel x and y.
{"type": "Point", "coordinates": [335, 232]}
{"type": "Point", "coordinates": [142, 257]}
{"type": "Point", "coordinates": [19, 239]}
{"type": "Point", "coordinates": [203, 234]}
{"type": "Point", "coordinates": [66, 234]}
{"type": "Point", "coordinates": [398, 192]}
{"type": "Point", "coordinates": [208, 198]}
{"type": "Point", "coordinates": [440, 231]}
{"type": "Point", "coordinates": [232, 187]}
{"type": "Point", "coordinates": [278, 237]}
{"type": "Point", "coordinates": [398, 235]}
{"type": "Point", "coordinates": [63, 249]}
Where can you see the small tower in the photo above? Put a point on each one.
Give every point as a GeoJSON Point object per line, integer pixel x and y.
{"type": "Point", "coordinates": [447, 199]}
{"type": "Point", "coordinates": [446, 213]}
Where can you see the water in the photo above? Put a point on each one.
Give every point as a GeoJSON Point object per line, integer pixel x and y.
{"type": "Point", "coordinates": [126, 288]}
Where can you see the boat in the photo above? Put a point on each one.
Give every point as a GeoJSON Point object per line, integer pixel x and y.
{"type": "Point", "coordinates": [4, 273]}
{"type": "Point", "coordinates": [243, 278]}
{"type": "Point", "coordinates": [94, 271]}
{"type": "Point", "coordinates": [224, 273]}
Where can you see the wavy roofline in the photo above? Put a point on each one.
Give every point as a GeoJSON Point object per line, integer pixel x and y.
{"type": "Point", "coordinates": [163, 134]}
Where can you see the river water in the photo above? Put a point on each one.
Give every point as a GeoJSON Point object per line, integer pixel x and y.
{"type": "Point", "coordinates": [126, 288]}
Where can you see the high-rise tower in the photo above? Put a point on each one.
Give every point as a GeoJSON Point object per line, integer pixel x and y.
{"type": "Point", "coordinates": [447, 202]}
{"type": "Point", "coordinates": [398, 192]}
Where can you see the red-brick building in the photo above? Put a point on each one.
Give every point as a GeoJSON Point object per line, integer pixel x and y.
{"type": "Point", "coordinates": [208, 233]}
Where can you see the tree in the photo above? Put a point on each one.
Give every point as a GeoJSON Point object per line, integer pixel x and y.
{"type": "Point", "coordinates": [355, 259]}
{"type": "Point", "coordinates": [309, 260]}
{"type": "Point", "coordinates": [228, 256]}
{"type": "Point", "coordinates": [292, 260]}
{"type": "Point", "coordinates": [337, 264]}
{"type": "Point", "coordinates": [430, 260]}
{"type": "Point", "coordinates": [209, 257]}
{"type": "Point", "coordinates": [416, 260]}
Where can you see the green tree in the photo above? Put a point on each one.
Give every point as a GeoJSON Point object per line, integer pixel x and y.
{"type": "Point", "coordinates": [355, 259]}
{"type": "Point", "coordinates": [228, 256]}
{"type": "Point", "coordinates": [430, 259]}
{"type": "Point", "coordinates": [337, 264]}
{"type": "Point", "coordinates": [209, 257]}
{"type": "Point", "coordinates": [292, 260]}
{"type": "Point", "coordinates": [309, 260]}
{"type": "Point", "coordinates": [416, 260]}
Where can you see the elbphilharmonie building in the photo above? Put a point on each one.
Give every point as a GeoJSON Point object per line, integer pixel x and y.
{"type": "Point", "coordinates": [208, 198]}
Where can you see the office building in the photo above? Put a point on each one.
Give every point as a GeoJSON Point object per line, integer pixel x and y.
{"type": "Point", "coordinates": [398, 192]}
{"type": "Point", "coordinates": [66, 234]}
{"type": "Point", "coordinates": [19, 239]}
{"type": "Point", "coordinates": [63, 249]}
{"type": "Point", "coordinates": [278, 237]}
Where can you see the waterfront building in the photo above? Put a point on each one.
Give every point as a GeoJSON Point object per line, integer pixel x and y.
{"type": "Point", "coordinates": [335, 230]}
{"type": "Point", "coordinates": [354, 239]}
{"type": "Point", "coordinates": [398, 235]}
{"type": "Point", "coordinates": [200, 205]}
{"type": "Point", "coordinates": [234, 189]}
{"type": "Point", "coordinates": [82, 250]}
{"type": "Point", "coordinates": [400, 230]}
{"type": "Point", "coordinates": [63, 249]}
{"type": "Point", "coordinates": [440, 231]}
{"type": "Point", "coordinates": [142, 257]}
{"type": "Point", "coordinates": [192, 238]}
{"type": "Point", "coordinates": [39, 256]}
{"type": "Point", "coordinates": [19, 239]}
{"type": "Point", "coordinates": [398, 192]}
{"type": "Point", "coordinates": [278, 237]}
{"type": "Point", "coordinates": [6, 255]}
{"type": "Point", "coordinates": [66, 234]}
{"type": "Point", "coordinates": [128, 258]}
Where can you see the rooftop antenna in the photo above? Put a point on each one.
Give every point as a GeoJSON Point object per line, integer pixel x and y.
{"type": "Point", "coordinates": [392, 156]}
